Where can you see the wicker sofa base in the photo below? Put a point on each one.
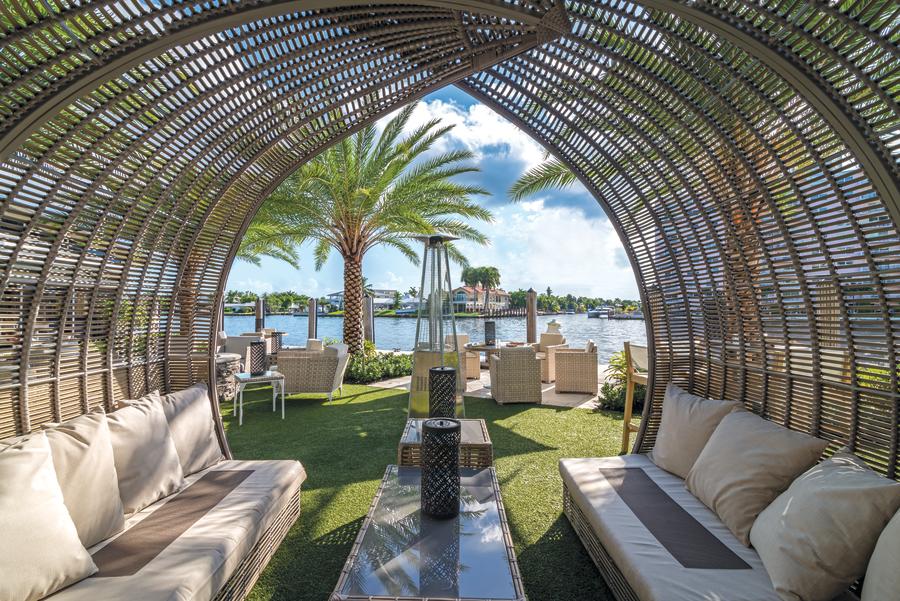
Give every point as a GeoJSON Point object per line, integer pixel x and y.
{"type": "Point", "coordinates": [616, 582]}
{"type": "Point", "coordinates": [246, 575]}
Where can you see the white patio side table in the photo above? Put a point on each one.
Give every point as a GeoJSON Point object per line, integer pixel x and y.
{"type": "Point", "coordinates": [276, 379]}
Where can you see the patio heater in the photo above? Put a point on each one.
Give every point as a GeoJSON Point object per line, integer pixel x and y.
{"type": "Point", "coordinates": [436, 343]}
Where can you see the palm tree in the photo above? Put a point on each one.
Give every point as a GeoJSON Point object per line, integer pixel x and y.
{"type": "Point", "coordinates": [490, 278]}
{"type": "Point", "coordinates": [370, 190]}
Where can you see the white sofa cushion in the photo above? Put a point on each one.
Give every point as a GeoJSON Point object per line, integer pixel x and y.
{"type": "Point", "coordinates": [146, 459]}
{"type": "Point", "coordinates": [687, 423]}
{"type": "Point", "coordinates": [815, 539]}
{"type": "Point", "coordinates": [83, 459]}
{"type": "Point", "coordinates": [654, 572]}
{"type": "Point", "coordinates": [200, 560]}
{"type": "Point", "coordinates": [747, 462]}
{"type": "Point", "coordinates": [883, 576]}
{"type": "Point", "coordinates": [40, 551]}
{"type": "Point", "coordinates": [190, 419]}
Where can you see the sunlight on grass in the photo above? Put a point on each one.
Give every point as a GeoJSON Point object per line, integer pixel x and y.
{"type": "Point", "coordinates": [345, 446]}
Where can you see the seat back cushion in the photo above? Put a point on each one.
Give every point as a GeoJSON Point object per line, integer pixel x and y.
{"type": "Point", "coordinates": [84, 463]}
{"type": "Point", "coordinates": [146, 459]}
{"type": "Point", "coordinates": [314, 344]}
{"type": "Point", "coordinates": [190, 419]}
{"type": "Point", "coordinates": [747, 462]}
{"type": "Point", "coordinates": [815, 539]}
{"type": "Point", "coordinates": [687, 423]}
{"type": "Point", "coordinates": [551, 339]}
{"type": "Point", "coordinates": [40, 551]}
{"type": "Point", "coordinates": [882, 575]}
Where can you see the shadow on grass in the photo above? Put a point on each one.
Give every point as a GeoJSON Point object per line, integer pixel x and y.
{"type": "Point", "coordinates": [345, 445]}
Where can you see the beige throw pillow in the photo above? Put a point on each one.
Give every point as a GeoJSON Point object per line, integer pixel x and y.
{"type": "Point", "coordinates": [687, 423]}
{"type": "Point", "coordinates": [146, 459]}
{"type": "Point", "coordinates": [40, 551]}
{"type": "Point", "coordinates": [816, 537]}
{"type": "Point", "coordinates": [883, 574]}
{"type": "Point", "coordinates": [83, 458]}
{"type": "Point", "coordinates": [191, 423]}
{"type": "Point", "coordinates": [747, 462]}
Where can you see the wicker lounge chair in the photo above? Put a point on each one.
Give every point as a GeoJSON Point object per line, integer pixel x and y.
{"type": "Point", "coordinates": [471, 362]}
{"type": "Point", "coordinates": [546, 352]}
{"type": "Point", "coordinates": [314, 371]}
{"type": "Point", "coordinates": [515, 376]}
{"type": "Point", "coordinates": [576, 369]}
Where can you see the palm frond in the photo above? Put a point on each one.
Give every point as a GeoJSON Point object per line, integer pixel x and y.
{"type": "Point", "coordinates": [548, 175]}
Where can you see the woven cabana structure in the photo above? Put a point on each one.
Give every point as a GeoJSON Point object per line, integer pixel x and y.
{"type": "Point", "coordinates": [746, 152]}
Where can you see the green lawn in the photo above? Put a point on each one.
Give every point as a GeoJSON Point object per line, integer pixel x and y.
{"type": "Point", "coordinates": [345, 446]}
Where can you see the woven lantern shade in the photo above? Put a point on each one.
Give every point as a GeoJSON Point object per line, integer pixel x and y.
{"type": "Point", "coordinates": [277, 342]}
{"type": "Point", "coordinates": [442, 391]}
{"type": "Point", "coordinates": [440, 467]}
{"type": "Point", "coordinates": [256, 358]}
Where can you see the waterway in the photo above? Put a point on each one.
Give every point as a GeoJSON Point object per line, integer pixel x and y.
{"type": "Point", "coordinates": [393, 333]}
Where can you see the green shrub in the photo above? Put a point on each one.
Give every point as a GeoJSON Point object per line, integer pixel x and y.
{"type": "Point", "coordinates": [371, 366]}
{"type": "Point", "coordinates": [612, 392]}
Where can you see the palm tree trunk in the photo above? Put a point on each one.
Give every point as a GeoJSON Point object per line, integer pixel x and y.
{"type": "Point", "coordinates": [353, 322]}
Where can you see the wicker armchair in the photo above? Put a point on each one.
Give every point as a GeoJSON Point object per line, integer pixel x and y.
{"type": "Point", "coordinates": [576, 369]}
{"type": "Point", "coordinates": [546, 352]}
{"type": "Point", "coordinates": [516, 375]}
{"type": "Point", "coordinates": [314, 371]}
{"type": "Point", "coordinates": [471, 362]}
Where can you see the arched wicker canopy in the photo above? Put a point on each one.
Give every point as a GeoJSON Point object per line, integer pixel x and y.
{"type": "Point", "coordinates": [747, 153]}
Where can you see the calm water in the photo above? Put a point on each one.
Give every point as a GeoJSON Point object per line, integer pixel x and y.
{"type": "Point", "coordinates": [392, 333]}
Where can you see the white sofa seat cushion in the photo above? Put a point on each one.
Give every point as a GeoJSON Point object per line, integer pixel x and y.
{"type": "Point", "coordinates": [652, 571]}
{"type": "Point", "coordinates": [196, 564]}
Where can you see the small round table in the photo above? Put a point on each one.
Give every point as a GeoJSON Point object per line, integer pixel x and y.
{"type": "Point", "coordinates": [276, 379]}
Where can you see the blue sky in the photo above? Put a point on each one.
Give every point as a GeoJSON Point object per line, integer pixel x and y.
{"type": "Point", "coordinates": [558, 239]}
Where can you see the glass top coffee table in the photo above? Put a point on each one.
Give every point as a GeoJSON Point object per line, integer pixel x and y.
{"type": "Point", "coordinates": [403, 555]}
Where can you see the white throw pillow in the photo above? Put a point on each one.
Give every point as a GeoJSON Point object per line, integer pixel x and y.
{"type": "Point", "coordinates": [146, 459]}
{"type": "Point", "coordinates": [40, 551]}
{"type": "Point", "coordinates": [883, 574]}
{"type": "Point", "coordinates": [747, 462]}
{"type": "Point", "coordinates": [815, 539]}
{"type": "Point", "coordinates": [191, 423]}
{"type": "Point", "coordinates": [83, 458]}
{"type": "Point", "coordinates": [687, 423]}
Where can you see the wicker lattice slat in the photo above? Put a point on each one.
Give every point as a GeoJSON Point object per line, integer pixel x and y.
{"type": "Point", "coordinates": [746, 152]}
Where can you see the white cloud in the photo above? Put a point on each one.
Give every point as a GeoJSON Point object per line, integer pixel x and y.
{"type": "Point", "coordinates": [539, 246]}
{"type": "Point", "coordinates": [390, 281]}
{"type": "Point", "coordinates": [480, 130]}
{"type": "Point", "coordinates": [253, 285]}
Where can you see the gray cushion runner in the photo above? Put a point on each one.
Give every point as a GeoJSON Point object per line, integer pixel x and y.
{"type": "Point", "coordinates": [137, 546]}
{"type": "Point", "coordinates": [689, 542]}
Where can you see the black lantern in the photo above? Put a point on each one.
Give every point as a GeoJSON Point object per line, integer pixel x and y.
{"type": "Point", "coordinates": [440, 468]}
{"type": "Point", "coordinates": [442, 391]}
{"type": "Point", "coordinates": [490, 332]}
{"type": "Point", "coordinates": [277, 342]}
{"type": "Point", "coordinates": [256, 358]}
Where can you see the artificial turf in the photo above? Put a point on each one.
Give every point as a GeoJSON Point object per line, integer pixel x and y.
{"type": "Point", "coordinates": [345, 445]}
